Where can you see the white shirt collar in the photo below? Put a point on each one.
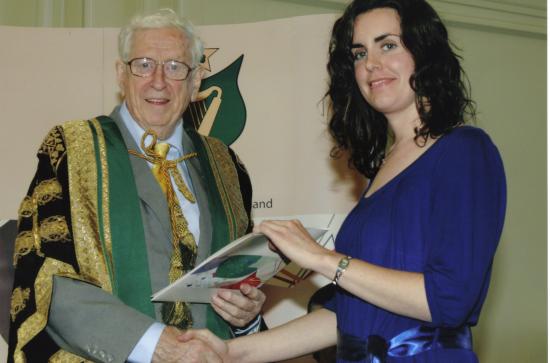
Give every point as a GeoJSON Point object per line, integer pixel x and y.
{"type": "Point", "coordinates": [175, 140]}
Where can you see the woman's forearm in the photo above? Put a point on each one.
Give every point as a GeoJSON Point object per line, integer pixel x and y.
{"type": "Point", "coordinates": [301, 336]}
{"type": "Point", "coordinates": [400, 292]}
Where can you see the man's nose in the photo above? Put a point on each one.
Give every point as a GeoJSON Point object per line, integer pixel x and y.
{"type": "Point", "coordinates": [159, 78]}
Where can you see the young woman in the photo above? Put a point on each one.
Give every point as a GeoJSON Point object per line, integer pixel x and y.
{"type": "Point", "coordinates": [413, 258]}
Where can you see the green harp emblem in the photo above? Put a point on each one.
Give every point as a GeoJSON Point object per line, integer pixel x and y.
{"type": "Point", "coordinates": [219, 110]}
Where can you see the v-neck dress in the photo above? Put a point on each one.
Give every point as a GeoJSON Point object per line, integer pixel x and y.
{"type": "Point", "coordinates": [441, 216]}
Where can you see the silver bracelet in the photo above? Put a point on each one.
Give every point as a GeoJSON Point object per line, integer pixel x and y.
{"type": "Point", "coordinates": [342, 266]}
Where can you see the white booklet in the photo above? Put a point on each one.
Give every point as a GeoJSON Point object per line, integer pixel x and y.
{"type": "Point", "coordinates": [245, 260]}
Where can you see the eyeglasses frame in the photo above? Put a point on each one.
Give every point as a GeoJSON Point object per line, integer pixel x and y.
{"type": "Point", "coordinates": [157, 63]}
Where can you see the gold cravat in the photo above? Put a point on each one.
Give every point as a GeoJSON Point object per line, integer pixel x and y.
{"type": "Point", "coordinates": [184, 250]}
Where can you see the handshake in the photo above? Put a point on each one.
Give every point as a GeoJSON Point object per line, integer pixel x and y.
{"type": "Point", "coordinates": [237, 307]}
{"type": "Point", "coordinates": [200, 346]}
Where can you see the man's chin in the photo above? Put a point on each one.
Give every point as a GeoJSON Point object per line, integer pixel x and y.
{"type": "Point", "coordinates": [163, 129]}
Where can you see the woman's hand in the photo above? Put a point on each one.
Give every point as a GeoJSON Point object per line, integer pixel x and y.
{"type": "Point", "coordinates": [209, 339]}
{"type": "Point", "coordinates": [293, 241]}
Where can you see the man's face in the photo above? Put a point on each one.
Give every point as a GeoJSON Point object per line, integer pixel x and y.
{"type": "Point", "coordinates": [157, 102]}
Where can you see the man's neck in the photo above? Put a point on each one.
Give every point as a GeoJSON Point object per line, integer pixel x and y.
{"type": "Point", "coordinates": [135, 129]}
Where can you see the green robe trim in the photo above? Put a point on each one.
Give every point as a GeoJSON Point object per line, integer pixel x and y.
{"type": "Point", "coordinates": [132, 282]}
{"type": "Point", "coordinates": [228, 216]}
{"type": "Point", "coordinates": [229, 219]}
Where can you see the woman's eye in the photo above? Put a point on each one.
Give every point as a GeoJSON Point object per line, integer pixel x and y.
{"type": "Point", "coordinates": [360, 54]}
{"type": "Point", "coordinates": [389, 46]}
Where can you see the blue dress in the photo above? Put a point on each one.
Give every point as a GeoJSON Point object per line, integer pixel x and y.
{"type": "Point", "coordinates": [441, 216]}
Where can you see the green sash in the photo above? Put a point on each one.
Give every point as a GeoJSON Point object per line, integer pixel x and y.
{"type": "Point", "coordinates": [129, 269]}
{"type": "Point", "coordinates": [228, 214]}
{"type": "Point", "coordinates": [127, 261]}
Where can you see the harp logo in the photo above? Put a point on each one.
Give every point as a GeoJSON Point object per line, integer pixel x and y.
{"type": "Point", "coordinates": [219, 110]}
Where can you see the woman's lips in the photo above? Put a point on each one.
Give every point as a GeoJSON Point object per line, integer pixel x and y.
{"type": "Point", "coordinates": [378, 83]}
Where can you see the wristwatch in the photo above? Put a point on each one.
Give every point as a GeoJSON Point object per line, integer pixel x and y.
{"type": "Point", "coordinates": [342, 266]}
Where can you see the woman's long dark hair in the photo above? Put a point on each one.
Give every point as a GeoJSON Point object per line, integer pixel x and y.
{"type": "Point", "coordinates": [439, 82]}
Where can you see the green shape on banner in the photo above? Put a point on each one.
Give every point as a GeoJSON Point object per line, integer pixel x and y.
{"type": "Point", "coordinates": [230, 119]}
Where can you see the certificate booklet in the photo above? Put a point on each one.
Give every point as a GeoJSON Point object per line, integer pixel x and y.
{"type": "Point", "coordinates": [245, 260]}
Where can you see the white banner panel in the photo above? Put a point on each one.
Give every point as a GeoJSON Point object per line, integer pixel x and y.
{"type": "Point", "coordinates": [53, 75]}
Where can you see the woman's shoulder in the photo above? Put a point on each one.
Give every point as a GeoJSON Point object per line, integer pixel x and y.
{"type": "Point", "coordinates": [468, 133]}
{"type": "Point", "coordinates": [467, 138]}
{"type": "Point", "coordinates": [465, 147]}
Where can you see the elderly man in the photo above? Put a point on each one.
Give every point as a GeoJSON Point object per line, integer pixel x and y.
{"type": "Point", "coordinates": [121, 206]}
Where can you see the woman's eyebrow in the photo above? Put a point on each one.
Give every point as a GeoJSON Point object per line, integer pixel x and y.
{"type": "Point", "coordinates": [384, 36]}
{"type": "Point", "coordinates": [376, 40]}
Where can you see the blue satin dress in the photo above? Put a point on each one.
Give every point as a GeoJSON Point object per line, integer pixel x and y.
{"type": "Point", "coordinates": [441, 216]}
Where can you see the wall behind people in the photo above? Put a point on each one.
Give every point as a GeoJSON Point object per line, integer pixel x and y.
{"type": "Point", "coordinates": [505, 61]}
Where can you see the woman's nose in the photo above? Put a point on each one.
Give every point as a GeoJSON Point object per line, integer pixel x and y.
{"type": "Point", "coordinates": [372, 62]}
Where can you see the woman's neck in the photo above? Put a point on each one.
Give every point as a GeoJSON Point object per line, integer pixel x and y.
{"type": "Point", "coordinates": [404, 126]}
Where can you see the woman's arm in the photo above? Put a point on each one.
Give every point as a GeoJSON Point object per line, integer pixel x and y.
{"type": "Point", "coordinates": [304, 335]}
{"type": "Point", "coordinates": [397, 291]}
{"type": "Point", "coordinates": [400, 292]}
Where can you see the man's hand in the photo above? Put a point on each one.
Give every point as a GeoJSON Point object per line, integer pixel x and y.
{"type": "Point", "coordinates": [238, 307]}
{"type": "Point", "coordinates": [171, 350]}
{"type": "Point", "coordinates": [207, 337]}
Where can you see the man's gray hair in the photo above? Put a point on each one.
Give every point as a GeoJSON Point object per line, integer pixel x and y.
{"type": "Point", "coordinates": [164, 18]}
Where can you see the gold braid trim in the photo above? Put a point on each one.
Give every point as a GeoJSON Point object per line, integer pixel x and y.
{"type": "Point", "coordinates": [19, 357]}
{"type": "Point", "coordinates": [54, 229]}
{"type": "Point", "coordinates": [81, 165]}
{"type": "Point", "coordinates": [25, 209]}
{"type": "Point", "coordinates": [105, 196]}
{"type": "Point", "coordinates": [62, 356]}
{"type": "Point", "coordinates": [228, 185]}
{"type": "Point", "coordinates": [47, 191]}
{"type": "Point", "coordinates": [27, 241]}
{"type": "Point", "coordinates": [35, 229]}
{"type": "Point", "coordinates": [53, 146]}
{"type": "Point", "coordinates": [42, 294]}
{"type": "Point", "coordinates": [163, 170]}
{"type": "Point", "coordinates": [24, 243]}
{"type": "Point", "coordinates": [19, 299]}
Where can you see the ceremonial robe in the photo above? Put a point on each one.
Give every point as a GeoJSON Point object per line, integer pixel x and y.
{"type": "Point", "coordinates": [69, 227]}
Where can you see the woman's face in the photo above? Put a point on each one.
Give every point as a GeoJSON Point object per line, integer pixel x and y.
{"type": "Point", "coordinates": [383, 66]}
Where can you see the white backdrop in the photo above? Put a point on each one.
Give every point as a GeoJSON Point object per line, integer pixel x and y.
{"type": "Point", "coordinates": [55, 75]}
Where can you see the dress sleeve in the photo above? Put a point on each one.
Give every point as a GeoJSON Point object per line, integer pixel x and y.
{"type": "Point", "coordinates": [324, 297]}
{"type": "Point", "coordinates": [467, 209]}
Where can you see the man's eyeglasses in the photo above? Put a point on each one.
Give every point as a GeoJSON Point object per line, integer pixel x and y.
{"type": "Point", "coordinates": [146, 67]}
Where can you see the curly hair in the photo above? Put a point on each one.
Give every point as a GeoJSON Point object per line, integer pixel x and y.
{"type": "Point", "coordinates": [441, 87]}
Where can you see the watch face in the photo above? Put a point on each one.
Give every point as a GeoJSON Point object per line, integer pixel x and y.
{"type": "Point", "coordinates": [342, 265]}
{"type": "Point", "coordinates": [344, 262]}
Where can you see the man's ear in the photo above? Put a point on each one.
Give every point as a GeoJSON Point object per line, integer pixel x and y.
{"type": "Point", "coordinates": [121, 75]}
{"type": "Point", "coordinates": [196, 82]}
